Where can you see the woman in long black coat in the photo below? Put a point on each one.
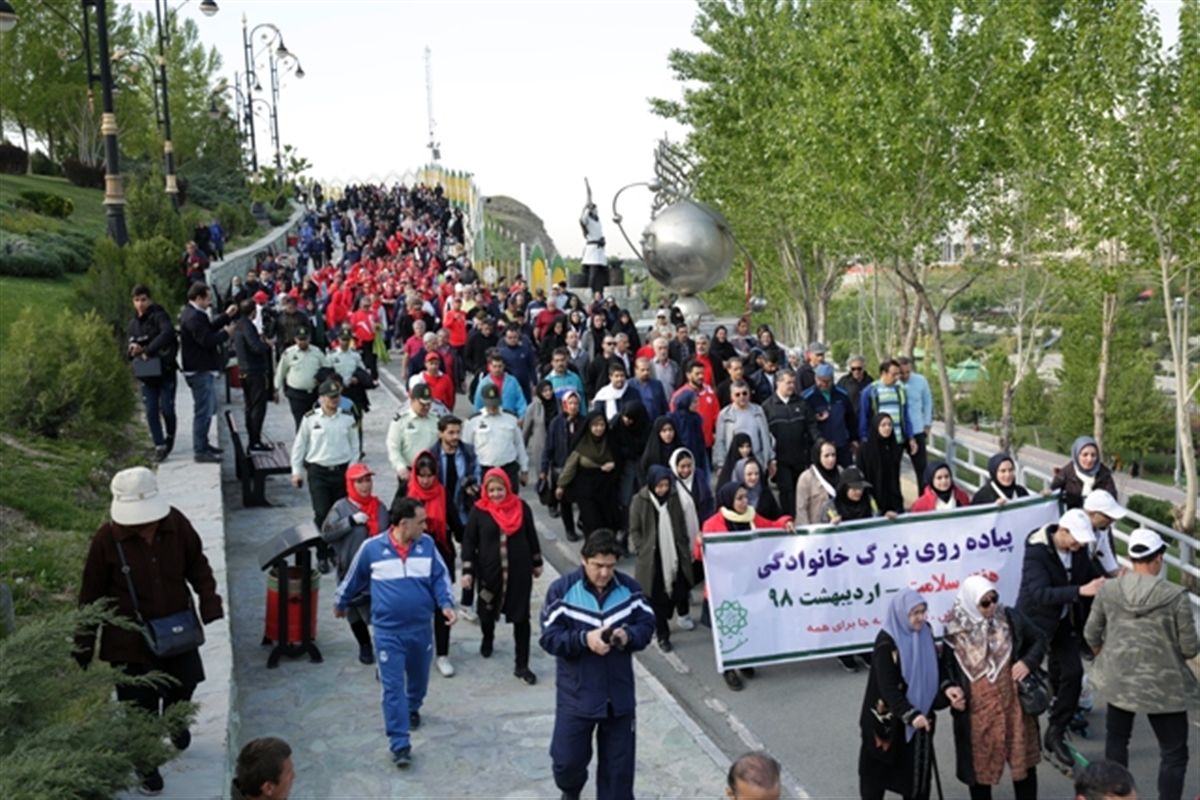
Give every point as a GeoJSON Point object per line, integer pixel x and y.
{"type": "Point", "coordinates": [501, 557]}
{"type": "Point", "coordinates": [879, 461]}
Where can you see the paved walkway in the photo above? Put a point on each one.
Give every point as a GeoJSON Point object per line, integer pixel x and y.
{"type": "Point", "coordinates": [484, 733]}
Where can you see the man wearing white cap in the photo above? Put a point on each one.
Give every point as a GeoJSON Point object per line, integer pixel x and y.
{"type": "Point", "coordinates": [1103, 510]}
{"type": "Point", "coordinates": [142, 561]}
{"type": "Point", "coordinates": [1143, 633]}
{"type": "Point", "coordinates": [1057, 572]}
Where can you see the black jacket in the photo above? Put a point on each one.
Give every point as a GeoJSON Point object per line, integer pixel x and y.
{"type": "Point", "coordinates": [558, 442]}
{"type": "Point", "coordinates": [1046, 588]}
{"type": "Point", "coordinates": [200, 340]}
{"type": "Point", "coordinates": [794, 428]}
{"type": "Point", "coordinates": [475, 351]}
{"type": "Point", "coordinates": [253, 354]}
{"type": "Point", "coordinates": [155, 333]}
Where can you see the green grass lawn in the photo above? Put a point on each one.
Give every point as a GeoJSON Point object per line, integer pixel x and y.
{"type": "Point", "coordinates": [47, 296]}
{"type": "Point", "coordinates": [89, 203]}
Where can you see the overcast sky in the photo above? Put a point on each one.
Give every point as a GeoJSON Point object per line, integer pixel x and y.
{"type": "Point", "coordinates": [529, 96]}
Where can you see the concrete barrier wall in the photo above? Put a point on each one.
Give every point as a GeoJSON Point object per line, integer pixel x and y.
{"type": "Point", "coordinates": [220, 274]}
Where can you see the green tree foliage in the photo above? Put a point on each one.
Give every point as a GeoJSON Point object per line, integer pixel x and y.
{"type": "Point", "coordinates": [74, 380]}
{"type": "Point", "coordinates": [115, 271]}
{"type": "Point", "coordinates": [1139, 418]}
{"type": "Point", "coordinates": [61, 735]}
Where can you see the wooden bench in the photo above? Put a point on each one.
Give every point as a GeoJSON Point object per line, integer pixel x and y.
{"type": "Point", "coordinates": [253, 466]}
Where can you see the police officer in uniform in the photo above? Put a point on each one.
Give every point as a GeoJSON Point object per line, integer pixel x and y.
{"type": "Point", "coordinates": [496, 438]}
{"type": "Point", "coordinates": [325, 444]}
{"type": "Point", "coordinates": [347, 362]}
{"type": "Point", "coordinates": [412, 431]}
{"type": "Point", "coordinates": [297, 374]}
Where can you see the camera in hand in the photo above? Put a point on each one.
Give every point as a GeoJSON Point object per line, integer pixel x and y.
{"type": "Point", "coordinates": [606, 636]}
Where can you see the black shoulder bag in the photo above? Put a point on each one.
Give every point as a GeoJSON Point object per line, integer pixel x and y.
{"type": "Point", "coordinates": [167, 636]}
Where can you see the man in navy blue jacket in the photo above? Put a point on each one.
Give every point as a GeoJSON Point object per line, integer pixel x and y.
{"type": "Point", "coordinates": [200, 340]}
{"type": "Point", "coordinates": [593, 620]}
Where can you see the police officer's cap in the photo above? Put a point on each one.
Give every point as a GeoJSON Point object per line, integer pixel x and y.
{"type": "Point", "coordinates": [345, 335]}
{"type": "Point", "coordinates": [302, 332]}
{"type": "Point", "coordinates": [490, 394]}
{"type": "Point", "coordinates": [330, 388]}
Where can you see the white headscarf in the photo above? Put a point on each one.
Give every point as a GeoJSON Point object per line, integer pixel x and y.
{"type": "Point", "coordinates": [690, 515]}
{"type": "Point", "coordinates": [982, 646]}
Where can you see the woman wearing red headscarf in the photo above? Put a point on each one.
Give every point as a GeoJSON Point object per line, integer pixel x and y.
{"type": "Point", "coordinates": [352, 520]}
{"type": "Point", "coordinates": [423, 485]}
{"type": "Point", "coordinates": [502, 555]}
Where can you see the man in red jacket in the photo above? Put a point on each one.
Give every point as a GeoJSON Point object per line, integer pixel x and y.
{"type": "Point", "coordinates": [709, 407]}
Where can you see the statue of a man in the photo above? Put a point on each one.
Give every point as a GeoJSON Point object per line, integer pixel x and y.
{"type": "Point", "coordinates": [595, 262]}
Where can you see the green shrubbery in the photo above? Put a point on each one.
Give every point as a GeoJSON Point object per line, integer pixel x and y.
{"type": "Point", "coordinates": [1155, 509]}
{"type": "Point", "coordinates": [68, 378]}
{"type": "Point", "coordinates": [236, 220]}
{"type": "Point", "coordinates": [59, 736]}
{"type": "Point", "coordinates": [44, 165]}
{"type": "Point", "coordinates": [44, 253]}
{"type": "Point", "coordinates": [149, 212]}
{"type": "Point", "coordinates": [106, 285]}
{"type": "Point", "coordinates": [13, 159]}
{"type": "Point", "coordinates": [45, 203]}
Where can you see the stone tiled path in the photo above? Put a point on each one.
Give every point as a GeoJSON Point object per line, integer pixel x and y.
{"type": "Point", "coordinates": [485, 734]}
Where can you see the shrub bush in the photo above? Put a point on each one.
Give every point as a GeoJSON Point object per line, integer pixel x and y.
{"type": "Point", "coordinates": [105, 287]}
{"type": "Point", "coordinates": [70, 377]}
{"type": "Point", "coordinates": [236, 220]}
{"type": "Point", "coordinates": [28, 262]}
{"type": "Point", "coordinates": [149, 211]}
{"type": "Point", "coordinates": [58, 736]}
{"type": "Point", "coordinates": [1152, 507]}
{"type": "Point", "coordinates": [89, 176]}
{"type": "Point", "coordinates": [47, 204]}
{"type": "Point", "coordinates": [44, 165]}
{"type": "Point", "coordinates": [13, 160]}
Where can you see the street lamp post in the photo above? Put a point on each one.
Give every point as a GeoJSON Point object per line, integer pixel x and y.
{"type": "Point", "coordinates": [114, 188]}
{"type": "Point", "coordinates": [279, 53]}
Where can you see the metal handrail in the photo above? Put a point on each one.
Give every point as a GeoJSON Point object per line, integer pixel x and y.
{"type": "Point", "coordinates": [970, 474]}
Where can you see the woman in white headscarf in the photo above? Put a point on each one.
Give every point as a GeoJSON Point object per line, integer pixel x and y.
{"type": "Point", "coordinates": [989, 649]}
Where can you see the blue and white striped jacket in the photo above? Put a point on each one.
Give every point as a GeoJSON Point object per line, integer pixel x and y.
{"type": "Point", "coordinates": [404, 591]}
{"type": "Point", "coordinates": [587, 683]}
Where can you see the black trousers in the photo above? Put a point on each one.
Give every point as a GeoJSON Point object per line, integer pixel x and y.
{"type": "Point", "coordinates": [185, 668]}
{"type": "Point", "coordinates": [1066, 675]}
{"type": "Point", "coordinates": [326, 485]}
{"type": "Point", "coordinates": [597, 278]}
{"type": "Point", "coordinates": [667, 602]}
{"type": "Point", "coordinates": [786, 476]}
{"type": "Point", "coordinates": [300, 403]}
{"type": "Point", "coordinates": [616, 745]}
{"type": "Point", "coordinates": [441, 630]}
{"type": "Point", "coordinates": [256, 392]}
{"type": "Point", "coordinates": [521, 634]}
{"type": "Point", "coordinates": [1171, 730]}
{"type": "Point", "coordinates": [1022, 790]}
{"type": "Point", "coordinates": [919, 460]}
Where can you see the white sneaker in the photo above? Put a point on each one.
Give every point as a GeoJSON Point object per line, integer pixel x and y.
{"type": "Point", "coordinates": [445, 667]}
{"type": "Point", "coordinates": [686, 623]}
{"type": "Point", "coordinates": [468, 614]}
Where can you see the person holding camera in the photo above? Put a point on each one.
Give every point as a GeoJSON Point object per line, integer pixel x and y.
{"type": "Point", "coordinates": [594, 620]}
{"type": "Point", "coordinates": [151, 350]}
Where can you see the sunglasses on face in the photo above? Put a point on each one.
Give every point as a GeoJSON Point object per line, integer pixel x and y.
{"type": "Point", "coordinates": [856, 369]}
{"type": "Point", "coordinates": [741, 394]}
{"type": "Point", "coordinates": [989, 601]}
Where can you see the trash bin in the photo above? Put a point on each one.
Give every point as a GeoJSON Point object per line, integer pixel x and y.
{"type": "Point", "coordinates": [294, 634]}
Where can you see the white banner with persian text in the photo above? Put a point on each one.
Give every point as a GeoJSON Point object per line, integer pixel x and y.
{"type": "Point", "coordinates": [824, 590]}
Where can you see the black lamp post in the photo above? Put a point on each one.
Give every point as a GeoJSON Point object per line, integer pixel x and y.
{"type": "Point", "coordinates": [114, 190]}
{"type": "Point", "coordinates": [279, 53]}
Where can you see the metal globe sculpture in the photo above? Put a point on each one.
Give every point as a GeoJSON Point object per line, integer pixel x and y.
{"type": "Point", "coordinates": [688, 247]}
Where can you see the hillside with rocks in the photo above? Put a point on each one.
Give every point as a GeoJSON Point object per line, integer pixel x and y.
{"type": "Point", "coordinates": [519, 220]}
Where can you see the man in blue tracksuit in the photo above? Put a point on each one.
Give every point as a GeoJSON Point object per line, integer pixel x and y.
{"type": "Point", "coordinates": [593, 620]}
{"type": "Point", "coordinates": [404, 576]}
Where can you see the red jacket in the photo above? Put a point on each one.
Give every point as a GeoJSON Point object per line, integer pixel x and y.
{"type": "Point", "coordinates": [928, 500]}
{"type": "Point", "coordinates": [441, 387]}
{"type": "Point", "coordinates": [455, 323]}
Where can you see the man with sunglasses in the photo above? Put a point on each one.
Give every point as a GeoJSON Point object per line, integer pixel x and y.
{"type": "Point", "coordinates": [854, 381]}
{"type": "Point", "coordinates": [597, 372]}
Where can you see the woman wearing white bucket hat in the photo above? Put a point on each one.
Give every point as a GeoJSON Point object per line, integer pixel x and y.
{"type": "Point", "coordinates": [143, 560]}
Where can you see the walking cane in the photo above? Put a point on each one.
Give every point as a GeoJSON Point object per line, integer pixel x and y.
{"type": "Point", "coordinates": [937, 776]}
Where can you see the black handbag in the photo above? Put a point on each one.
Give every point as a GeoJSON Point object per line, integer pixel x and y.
{"type": "Point", "coordinates": [147, 368]}
{"type": "Point", "coordinates": [167, 636]}
{"type": "Point", "coordinates": [1033, 692]}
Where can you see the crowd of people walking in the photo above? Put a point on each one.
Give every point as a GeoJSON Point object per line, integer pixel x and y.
{"type": "Point", "coordinates": [641, 440]}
